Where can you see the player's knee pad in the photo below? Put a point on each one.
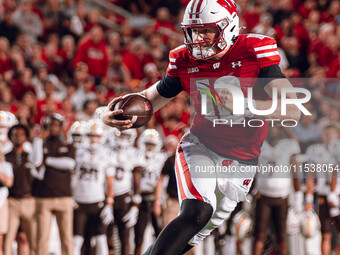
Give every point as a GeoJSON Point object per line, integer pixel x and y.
{"type": "Point", "coordinates": [78, 242]}
{"type": "Point", "coordinates": [218, 218]}
{"type": "Point", "coordinates": [101, 245]}
{"type": "Point", "coordinates": [215, 221]}
{"type": "Point", "coordinates": [196, 212]}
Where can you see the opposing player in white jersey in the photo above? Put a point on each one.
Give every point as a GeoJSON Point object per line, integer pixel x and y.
{"type": "Point", "coordinates": [126, 185]}
{"type": "Point", "coordinates": [322, 163]}
{"type": "Point", "coordinates": [150, 144]}
{"type": "Point", "coordinates": [77, 134]}
{"type": "Point", "coordinates": [273, 187]}
{"type": "Point", "coordinates": [94, 171]}
{"type": "Point", "coordinates": [7, 120]}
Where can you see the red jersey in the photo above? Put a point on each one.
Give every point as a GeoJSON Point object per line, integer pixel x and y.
{"type": "Point", "coordinates": [95, 56]}
{"type": "Point", "coordinates": [244, 59]}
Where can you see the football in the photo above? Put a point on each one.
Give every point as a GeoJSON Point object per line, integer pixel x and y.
{"type": "Point", "coordinates": [136, 107]}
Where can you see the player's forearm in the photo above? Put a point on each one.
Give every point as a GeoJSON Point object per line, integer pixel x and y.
{"type": "Point", "coordinates": [295, 174]}
{"type": "Point", "coordinates": [291, 111]}
{"type": "Point", "coordinates": [36, 157]}
{"type": "Point", "coordinates": [159, 188]}
{"type": "Point", "coordinates": [156, 99]}
{"type": "Point", "coordinates": [109, 191]}
{"type": "Point", "coordinates": [62, 163]}
{"type": "Point", "coordinates": [137, 176]}
{"type": "Point", "coordinates": [334, 182]}
{"type": "Point", "coordinates": [6, 180]}
{"type": "Point", "coordinates": [310, 185]}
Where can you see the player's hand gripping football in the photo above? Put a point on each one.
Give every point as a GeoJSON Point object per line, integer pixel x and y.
{"type": "Point", "coordinates": [108, 116]}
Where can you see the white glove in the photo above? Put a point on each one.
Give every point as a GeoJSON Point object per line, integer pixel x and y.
{"type": "Point", "coordinates": [106, 215]}
{"type": "Point", "coordinates": [130, 218]}
{"type": "Point", "coordinates": [298, 203]}
{"type": "Point", "coordinates": [333, 199]}
{"type": "Point", "coordinates": [38, 173]}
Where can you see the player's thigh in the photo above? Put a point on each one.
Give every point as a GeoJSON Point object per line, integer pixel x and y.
{"type": "Point", "coordinates": [280, 211]}
{"type": "Point", "coordinates": [337, 222]}
{"type": "Point", "coordinates": [96, 223]}
{"type": "Point", "coordinates": [325, 218]}
{"type": "Point", "coordinates": [121, 206]}
{"type": "Point", "coordinates": [141, 223]}
{"type": "Point", "coordinates": [80, 220]}
{"type": "Point", "coordinates": [236, 179]}
{"type": "Point", "coordinates": [192, 162]}
{"type": "Point", "coordinates": [262, 216]}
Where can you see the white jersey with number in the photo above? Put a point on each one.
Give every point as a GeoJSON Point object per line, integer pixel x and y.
{"type": "Point", "coordinates": [320, 159]}
{"type": "Point", "coordinates": [151, 171]}
{"type": "Point", "coordinates": [276, 181]}
{"type": "Point", "coordinates": [88, 182]}
{"type": "Point", "coordinates": [125, 161]}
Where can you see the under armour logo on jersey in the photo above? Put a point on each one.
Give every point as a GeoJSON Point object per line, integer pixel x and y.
{"type": "Point", "coordinates": [246, 182]}
{"type": "Point", "coordinates": [234, 64]}
{"type": "Point", "coordinates": [216, 65]}
{"type": "Point", "coordinates": [193, 70]}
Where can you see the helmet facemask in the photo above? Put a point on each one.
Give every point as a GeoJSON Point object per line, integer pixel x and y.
{"type": "Point", "coordinates": [95, 141]}
{"type": "Point", "coordinates": [125, 139]}
{"type": "Point", "coordinates": [206, 49]}
{"type": "Point", "coordinates": [151, 149]}
{"type": "Point", "coordinates": [78, 140]}
{"type": "Point", "coordinates": [95, 134]}
{"type": "Point", "coordinates": [77, 134]}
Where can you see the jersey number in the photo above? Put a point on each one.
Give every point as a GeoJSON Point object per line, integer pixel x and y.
{"type": "Point", "coordinates": [119, 173]}
{"type": "Point", "coordinates": [88, 174]}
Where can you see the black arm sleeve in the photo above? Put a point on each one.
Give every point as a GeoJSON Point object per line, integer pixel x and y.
{"type": "Point", "coordinates": [273, 72]}
{"type": "Point", "coordinates": [169, 86]}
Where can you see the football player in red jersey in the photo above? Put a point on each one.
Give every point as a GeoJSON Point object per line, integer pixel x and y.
{"type": "Point", "coordinates": [214, 49]}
